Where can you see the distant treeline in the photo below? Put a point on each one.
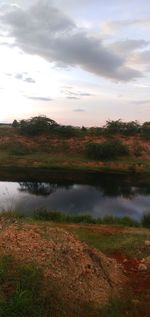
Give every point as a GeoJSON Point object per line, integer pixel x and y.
{"type": "Point", "coordinates": [41, 124]}
{"type": "Point", "coordinates": [5, 124]}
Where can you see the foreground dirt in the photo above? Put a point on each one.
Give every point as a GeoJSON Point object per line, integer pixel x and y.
{"type": "Point", "coordinates": [84, 274]}
{"type": "Point", "coordinates": [81, 273]}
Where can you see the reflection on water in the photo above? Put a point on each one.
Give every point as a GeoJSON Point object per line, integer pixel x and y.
{"type": "Point", "coordinates": [108, 195]}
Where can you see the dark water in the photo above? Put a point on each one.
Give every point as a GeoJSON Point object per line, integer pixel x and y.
{"type": "Point", "coordinates": [106, 195]}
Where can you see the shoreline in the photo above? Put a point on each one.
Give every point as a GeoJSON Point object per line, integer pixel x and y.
{"type": "Point", "coordinates": [81, 174]}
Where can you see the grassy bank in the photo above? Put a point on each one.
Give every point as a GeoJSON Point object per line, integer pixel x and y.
{"type": "Point", "coordinates": [57, 152]}
{"type": "Point", "coordinates": [43, 214]}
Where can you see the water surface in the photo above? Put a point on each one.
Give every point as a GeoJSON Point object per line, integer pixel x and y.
{"type": "Point", "coordinates": [107, 196]}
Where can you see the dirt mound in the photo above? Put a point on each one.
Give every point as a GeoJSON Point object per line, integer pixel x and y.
{"type": "Point", "coordinates": [83, 273]}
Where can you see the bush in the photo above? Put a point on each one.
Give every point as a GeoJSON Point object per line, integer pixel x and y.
{"type": "Point", "coordinates": [137, 149]}
{"type": "Point", "coordinates": [124, 221]}
{"type": "Point", "coordinates": [19, 149]}
{"type": "Point", "coordinates": [120, 127]}
{"type": "Point", "coordinates": [67, 131]}
{"type": "Point", "coordinates": [146, 220]}
{"type": "Point", "coordinates": [95, 131]}
{"type": "Point", "coordinates": [45, 215]}
{"type": "Point", "coordinates": [15, 124]}
{"type": "Point", "coordinates": [106, 150]}
{"type": "Point", "coordinates": [37, 125]}
{"type": "Point", "coordinates": [59, 217]}
{"type": "Point", "coordinates": [146, 130]}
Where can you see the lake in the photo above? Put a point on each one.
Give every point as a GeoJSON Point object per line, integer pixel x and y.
{"type": "Point", "coordinates": [97, 196]}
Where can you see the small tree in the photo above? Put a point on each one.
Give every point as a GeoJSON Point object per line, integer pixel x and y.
{"type": "Point", "coordinates": [15, 124]}
{"type": "Point", "coordinates": [146, 130]}
{"type": "Point", "coordinates": [37, 125]}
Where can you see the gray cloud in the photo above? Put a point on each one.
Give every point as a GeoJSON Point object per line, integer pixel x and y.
{"type": "Point", "coordinates": [38, 98]}
{"type": "Point", "coordinates": [75, 94]}
{"type": "Point", "coordinates": [25, 78]}
{"type": "Point", "coordinates": [19, 76]}
{"type": "Point", "coordinates": [29, 80]}
{"type": "Point", "coordinates": [8, 74]}
{"type": "Point", "coordinates": [141, 102]}
{"type": "Point", "coordinates": [72, 97]}
{"type": "Point", "coordinates": [46, 31]}
{"type": "Point", "coordinates": [79, 110]}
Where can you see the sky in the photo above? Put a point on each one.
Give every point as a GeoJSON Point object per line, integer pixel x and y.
{"type": "Point", "coordinates": [79, 62]}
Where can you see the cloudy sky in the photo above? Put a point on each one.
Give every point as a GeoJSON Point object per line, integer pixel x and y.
{"type": "Point", "coordinates": [79, 62]}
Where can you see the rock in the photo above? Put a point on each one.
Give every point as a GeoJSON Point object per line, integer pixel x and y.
{"type": "Point", "coordinates": [147, 243]}
{"type": "Point", "coordinates": [147, 262]}
{"type": "Point", "coordinates": [135, 301]}
{"type": "Point", "coordinates": [142, 267]}
{"type": "Point", "coordinates": [143, 260]}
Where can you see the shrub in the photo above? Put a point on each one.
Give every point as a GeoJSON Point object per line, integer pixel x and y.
{"type": "Point", "coordinates": [95, 131]}
{"type": "Point", "coordinates": [137, 149]}
{"type": "Point", "coordinates": [67, 131]}
{"type": "Point", "coordinates": [126, 128]}
{"type": "Point", "coordinates": [146, 130]}
{"type": "Point", "coordinates": [146, 220]}
{"type": "Point", "coordinates": [37, 125]}
{"type": "Point", "coordinates": [19, 149]}
{"type": "Point", "coordinates": [15, 124]}
{"type": "Point", "coordinates": [45, 215]}
{"type": "Point", "coordinates": [59, 217]}
{"type": "Point", "coordinates": [11, 214]}
{"type": "Point", "coordinates": [106, 150]}
{"type": "Point", "coordinates": [124, 221]}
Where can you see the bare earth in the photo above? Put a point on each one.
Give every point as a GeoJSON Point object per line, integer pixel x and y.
{"type": "Point", "coordinates": [83, 273]}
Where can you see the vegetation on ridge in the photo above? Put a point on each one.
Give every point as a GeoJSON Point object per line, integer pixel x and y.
{"type": "Point", "coordinates": [41, 124]}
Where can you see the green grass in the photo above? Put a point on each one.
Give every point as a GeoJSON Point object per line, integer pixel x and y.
{"type": "Point", "coordinates": [23, 295]}
{"type": "Point", "coordinates": [16, 149]}
{"type": "Point", "coordinates": [5, 263]}
{"type": "Point", "coordinates": [120, 307]}
{"type": "Point", "coordinates": [56, 216]}
{"type": "Point", "coordinates": [11, 214]}
{"type": "Point", "coordinates": [24, 292]}
{"type": "Point", "coordinates": [129, 244]}
{"type": "Point", "coordinates": [42, 214]}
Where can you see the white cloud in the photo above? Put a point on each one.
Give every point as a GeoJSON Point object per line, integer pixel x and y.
{"type": "Point", "coordinates": [124, 47]}
{"type": "Point", "coordinates": [113, 26]}
{"type": "Point", "coordinates": [142, 58]}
